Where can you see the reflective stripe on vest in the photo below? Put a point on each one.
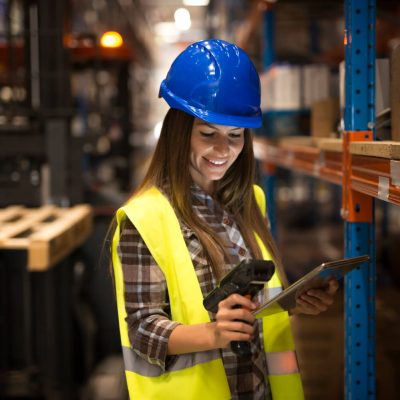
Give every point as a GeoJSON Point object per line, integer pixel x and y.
{"type": "Point", "coordinates": [135, 363]}
{"type": "Point", "coordinates": [281, 363]}
{"type": "Point", "coordinates": [197, 377]}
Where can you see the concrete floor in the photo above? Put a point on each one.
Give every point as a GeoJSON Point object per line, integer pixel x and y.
{"type": "Point", "coordinates": [304, 244]}
{"type": "Point", "coordinates": [320, 347]}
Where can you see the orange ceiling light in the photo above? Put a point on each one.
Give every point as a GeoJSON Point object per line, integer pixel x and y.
{"type": "Point", "coordinates": [111, 39]}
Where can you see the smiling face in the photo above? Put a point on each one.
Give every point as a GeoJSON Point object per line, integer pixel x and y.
{"type": "Point", "coordinates": [213, 149]}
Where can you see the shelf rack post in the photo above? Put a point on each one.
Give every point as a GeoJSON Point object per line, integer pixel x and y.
{"type": "Point", "coordinates": [358, 209]}
{"type": "Point", "coordinates": [268, 58]}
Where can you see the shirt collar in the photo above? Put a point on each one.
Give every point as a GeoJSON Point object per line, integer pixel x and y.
{"type": "Point", "coordinates": [201, 196]}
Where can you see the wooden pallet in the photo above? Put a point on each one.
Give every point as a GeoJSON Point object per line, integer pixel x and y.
{"type": "Point", "coordinates": [48, 233]}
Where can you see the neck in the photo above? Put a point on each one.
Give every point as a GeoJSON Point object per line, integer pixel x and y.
{"type": "Point", "coordinates": [206, 187]}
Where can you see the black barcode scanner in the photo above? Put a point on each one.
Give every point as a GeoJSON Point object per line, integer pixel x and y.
{"type": "Point", "coordinates": [246, 279]}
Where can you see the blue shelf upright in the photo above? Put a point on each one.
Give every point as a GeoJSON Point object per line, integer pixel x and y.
{"type": "Point", "coordinates": [268, 38]}
{"type": "Point", "coordinates": [268, 57]}
{"type": "Point", "coordinates": [358, 209]}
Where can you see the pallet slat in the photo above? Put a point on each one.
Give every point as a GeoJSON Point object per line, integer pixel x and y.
{"type": "Point", "coordinates": [48, 233]}
{"type": "Point", "coordinates": [54, 242]}
{"type": "Point", "coordinates": [9, 213]}
{"type": "Point", "coordinates": [26, 221]}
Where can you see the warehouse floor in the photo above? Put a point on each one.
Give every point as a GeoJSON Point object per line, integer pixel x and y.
{"type": "Point", "coordinates": [320, 346]}
{"type": "Point", "coordinates": [320, 340]}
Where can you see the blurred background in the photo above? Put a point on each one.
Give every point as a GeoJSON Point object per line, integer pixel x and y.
{"type": "Point", "coordinates": [79, 119]}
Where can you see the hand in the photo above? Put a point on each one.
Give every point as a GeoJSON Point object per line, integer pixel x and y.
{"type": "Point", "coordinates": [315, 301]}
{"type": "Point", "coordinates": [233, 324]}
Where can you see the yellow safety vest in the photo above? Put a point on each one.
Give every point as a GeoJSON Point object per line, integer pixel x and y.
{"type": "Point", "coordinates": [201, 375]}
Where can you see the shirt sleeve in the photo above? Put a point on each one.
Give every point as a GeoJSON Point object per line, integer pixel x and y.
{"type": "Point", "coordinates": [146, 299]}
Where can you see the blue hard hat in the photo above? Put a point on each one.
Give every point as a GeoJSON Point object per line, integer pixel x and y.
{"type": "Point", "coordinates": [215, 81]}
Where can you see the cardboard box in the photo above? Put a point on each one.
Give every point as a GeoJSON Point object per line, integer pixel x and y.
{"type": "Point", "coordinates": [325, 117]}
{"type": "Point", "coordinates": [281, 88]}
{"type": "Point", "coordinates": [381, 85]}
{"type": "Point", "coordinates": [316, 81]}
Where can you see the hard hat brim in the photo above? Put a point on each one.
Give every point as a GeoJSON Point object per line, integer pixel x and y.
{"type": "Point", "coordinates": [209, 116]}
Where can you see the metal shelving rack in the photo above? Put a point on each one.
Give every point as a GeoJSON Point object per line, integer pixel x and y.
{"type": "Point", "coordinates": [358, 210]}
{"type": "Point", "coordinates": [366, 170]}
{"type": "Point", "coordinates": [375, 166]}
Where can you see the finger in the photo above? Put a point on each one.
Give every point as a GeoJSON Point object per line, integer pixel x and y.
{"type": "Point", "coordinates": [257, 303]}
{"type": "Point", "coordinates": [314, 301]}
{"type": "Point", "coordinates": [306, 308]}
{"type": "Point", "coordinates": [235, 326]}
{"type": "Point", "coordinates": [320, 296]}
{"type": "Point", "coordinates": [230, 314]}
{"type": "Point", "coordinates": [237, 336]}
{"type": "Point", "coordinates": [236, 299]}
{"type": "Point", "coordinates": [333, 286]}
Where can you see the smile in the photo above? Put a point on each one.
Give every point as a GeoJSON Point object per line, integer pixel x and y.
{"type": "Point", "coordinates": [217, 162]}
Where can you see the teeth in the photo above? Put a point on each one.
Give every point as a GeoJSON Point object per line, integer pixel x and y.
{"type": "Point", "coordinates": [216, 162]}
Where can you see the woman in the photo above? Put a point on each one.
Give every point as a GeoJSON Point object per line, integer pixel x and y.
{"type": "Point", "coordinates": [195, 216]}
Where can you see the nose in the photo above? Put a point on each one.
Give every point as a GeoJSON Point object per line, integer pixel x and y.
{"type": "Point", "coordinates": [221, 145]}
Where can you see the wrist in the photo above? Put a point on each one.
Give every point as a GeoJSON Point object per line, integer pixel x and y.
{"type": "Point", "coordinates": [192, 338]}
{"type": "Point", "coordinates": [210, 337]}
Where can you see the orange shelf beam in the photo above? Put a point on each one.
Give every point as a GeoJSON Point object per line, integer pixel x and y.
{"type": "Point", "coordinates": [375, 176]}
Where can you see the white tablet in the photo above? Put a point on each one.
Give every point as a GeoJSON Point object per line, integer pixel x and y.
{"type": "Point", "coordinates": [316, 278]}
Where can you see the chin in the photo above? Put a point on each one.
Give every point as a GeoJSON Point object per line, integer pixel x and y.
{"type": "Point", "coordinates": [216, 179]}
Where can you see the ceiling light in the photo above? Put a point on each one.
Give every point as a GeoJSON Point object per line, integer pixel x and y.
{"type": "Point", "coordinates": [196, 2]}
{"type": "Point", "coordinates": [111, 39]}
{"type": "Point", "coordinates": [182, 19]}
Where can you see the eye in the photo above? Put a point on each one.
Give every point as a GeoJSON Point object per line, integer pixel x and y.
{"type": "Point", "coordinates": [207, 134]}
{"type": "Point", "coordinates": [235, 135]}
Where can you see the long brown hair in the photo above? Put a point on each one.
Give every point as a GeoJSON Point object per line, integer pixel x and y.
{"type": "Point", "coordinates": [168, 170]}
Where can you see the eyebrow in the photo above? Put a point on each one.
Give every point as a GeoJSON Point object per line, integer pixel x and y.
{"type": "Point", "coordinates": [213, 127]}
